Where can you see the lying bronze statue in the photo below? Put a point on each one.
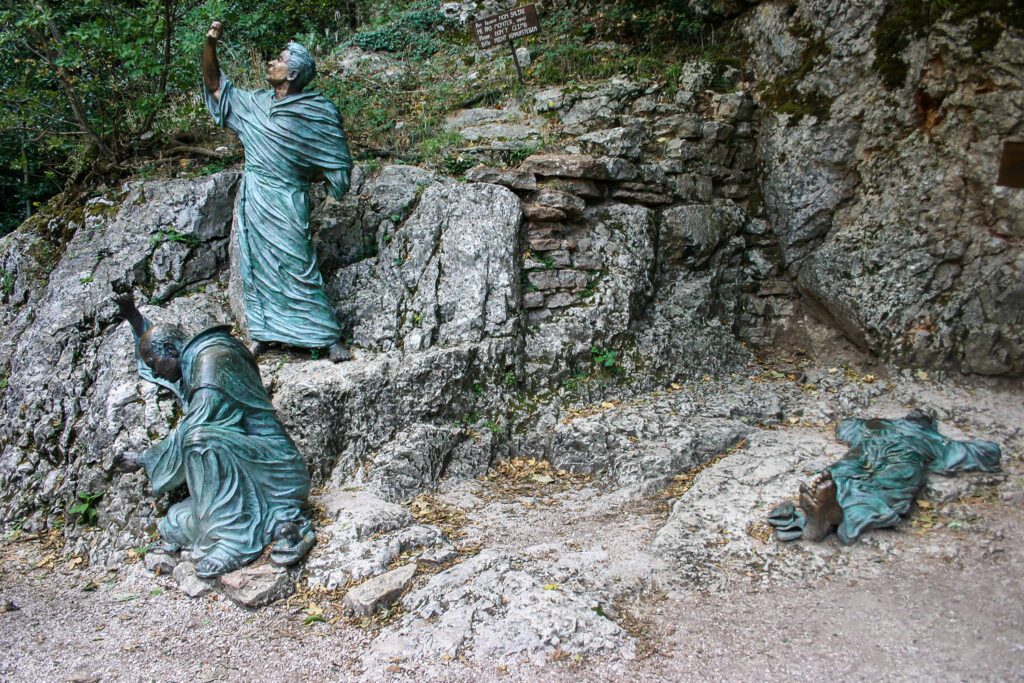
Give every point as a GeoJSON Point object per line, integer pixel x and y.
{"type": "Point", "coordinates": [875, 483]}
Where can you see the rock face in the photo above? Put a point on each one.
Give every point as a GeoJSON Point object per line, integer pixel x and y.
{"type": "Point", "coordinates": [71, 403]}
{"type": "Point", "coordinates": [585, 309]}
{"type": "Point", "coordinates": [880, 188]}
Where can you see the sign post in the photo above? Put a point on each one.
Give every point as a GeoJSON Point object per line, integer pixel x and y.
{"type": "Point", "coordinates": [506, 27]}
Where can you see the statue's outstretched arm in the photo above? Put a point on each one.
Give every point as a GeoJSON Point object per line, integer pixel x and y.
{"type": "Point", "coordinates": [129, 311]}
{"type": "Point", "coordinates": [211, 65]}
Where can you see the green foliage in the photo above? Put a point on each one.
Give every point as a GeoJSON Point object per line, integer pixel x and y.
{"type": "Point", "coordinates": [478, 390]}
{"type": "Point", "coordinates": [172, 235]}
{"type": "Point", "coordinates": [7, 283]}
{"type": "Point", "coordinates": [85, 511]}
{"type": "Point", "coordinates": [606, 358]}
{"type": "Point", "coordinates": [510, 378]}
{"type": "Point", "coordinates": [457, 164]}
{"type": "Point", "coordinates": [411, 33]}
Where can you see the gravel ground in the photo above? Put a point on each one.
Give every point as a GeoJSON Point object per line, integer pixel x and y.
{"type": "Point", "coordinates": [945, 599]}
{"type": "Point", "coordinates": [945, 610]}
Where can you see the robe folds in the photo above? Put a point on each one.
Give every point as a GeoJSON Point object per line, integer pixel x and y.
{"type": "Point", "coordinates": [243, 472]}
{"type": "Point", "coordinates": [288, 143]}
{"type": "Point", "coordinates": [889, 462]}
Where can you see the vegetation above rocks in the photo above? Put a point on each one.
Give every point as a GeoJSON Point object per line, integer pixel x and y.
{"type": "Point", "coordinates": [102, 90]}
{"type": "Point", "coordinates": [907, 20]}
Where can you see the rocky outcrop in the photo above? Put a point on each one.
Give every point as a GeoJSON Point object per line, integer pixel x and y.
{"type": "Point", "coordinates": [880, 164]}
{"type": "Point", "coordinates": [71, 402]}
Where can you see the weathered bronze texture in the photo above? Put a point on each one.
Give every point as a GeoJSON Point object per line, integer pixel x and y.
{"type": "Point", "coordinates": [875, 483]}
{"type": "Point", "coordinates": [291, 138]}
{"type": "Point", "coordinates": [247, 482]}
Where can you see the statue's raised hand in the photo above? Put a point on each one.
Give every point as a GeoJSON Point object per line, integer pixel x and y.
{"type": "Point", "coordinates": [125, 304]}
{"type": "Point", "coordinates": [127, 310]}
{"type": "Point", "coordinates": [215, 32]}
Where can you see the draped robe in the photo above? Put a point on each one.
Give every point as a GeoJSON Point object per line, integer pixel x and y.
{"type": "Point", "coordinates": [879, 477]}
{"type": "Point", "coordinates": [889, 462]}
{"type": "Point", "coordinates": [243, 472]}
{"type": "Point", "coordinates": [288, 142]}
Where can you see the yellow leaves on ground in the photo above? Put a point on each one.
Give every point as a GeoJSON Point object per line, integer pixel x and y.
{"type": "Point", "coordinates": [429, 509]}
{"type": "Point", "coordinates": [530, 477]}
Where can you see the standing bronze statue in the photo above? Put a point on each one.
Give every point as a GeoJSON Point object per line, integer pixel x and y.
{"type": "Point", "coordinates": [291, 138]}
{"type": "Point", "coordinates": [875, 483]}
{"type": "Point", "coordinates": [247, 483]}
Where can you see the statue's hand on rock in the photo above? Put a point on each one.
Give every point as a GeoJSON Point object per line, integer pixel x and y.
{"type": "Point", "coordinates": [215, 32]}
{"type": "Point", "coordinates": [125, 304]}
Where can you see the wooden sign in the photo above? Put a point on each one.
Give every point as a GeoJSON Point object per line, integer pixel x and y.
{"type": "Point", "coordinates": [1011, 165]}
{"type": "Point", "coordinates": [506, 27]}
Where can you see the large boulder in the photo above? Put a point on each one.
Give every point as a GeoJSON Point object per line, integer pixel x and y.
{"type": "Point", "coordinates": [72, 401]}
{"type": "Point", "coordinates": [880, 181]}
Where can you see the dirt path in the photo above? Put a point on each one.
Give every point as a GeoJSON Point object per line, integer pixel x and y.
{"type": "Point", "coordinates": [947, 607]}
{"type": "Point", "coordinates": [940, 597]}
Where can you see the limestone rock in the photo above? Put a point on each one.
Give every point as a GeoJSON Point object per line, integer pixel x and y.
{"type": "Point", "coordinates": [366, 535]}
{"type": "Point", "coordinates": [505, 613]}
{"type": "Point", "coordinates": [510, 178]}
{"type": "Point", "coordinates": [565, 166]}
{"type": "Point", "coordinates": [691, 233]}
{"type": "Point", "coordinates": [161, 564]}
{"type": "Point", "coordinates": [190, 584]}
{"type": "Point", "coordinates": [448, 276]}
{"type": "Point", "coordinates": [494, 124]}
{"type": "Point", "coordinates": [625, 141]}
{"type": "Point", "coordinates": [570, 204]}
{"type": "Point", "coordinates": [69, 370]}
{"type": "Point", "coordinates": [256, 586]}
{"type": "Point", "coordinates": [380, 591]}
{"type": "Point", "coordinates": [906, 250]}
{"type": "Point", "coordinates": [719, 521]}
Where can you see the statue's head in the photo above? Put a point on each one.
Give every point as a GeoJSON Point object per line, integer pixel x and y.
{"type": "Point", "coordinates": [922, 418]}
{"type": "Point", "coordinates": [294, 64]}
{"type": "Point", "coordinates": [160, 347]}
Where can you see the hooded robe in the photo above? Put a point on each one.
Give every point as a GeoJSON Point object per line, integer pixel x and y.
{"type": "Point", "coordinates": [243, 472]}
{"type": "Point", "coordinates": [288, 143]}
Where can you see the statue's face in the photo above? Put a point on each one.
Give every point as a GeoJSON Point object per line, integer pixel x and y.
{"type": "Point", "coordinates": [166, 367]}
{"type": "Point", "coordinates": [277, 68]}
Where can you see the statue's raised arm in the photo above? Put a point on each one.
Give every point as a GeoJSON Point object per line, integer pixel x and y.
{"type": "Point", "coordinates": [248, 485]}
{"type": "Point", "coordinates": [211, 65]}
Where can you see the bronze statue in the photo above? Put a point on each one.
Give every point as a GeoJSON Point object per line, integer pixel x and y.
{"type": "Point", "coordinates": [247, 483]}
{"type": "Point", "coordinates": [875, 483]}
{"type": "Point", "coordinates": [291, 138]}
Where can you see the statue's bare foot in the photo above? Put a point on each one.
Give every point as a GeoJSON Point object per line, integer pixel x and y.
{"type": "Point", "coordinates": [820, 507]}
{"type": "Point", "coordinates": [339, 353]}
{"type": "Point", "coordinates": [258, 348]}
{"type": "Point", "coordinates": [212, 566]}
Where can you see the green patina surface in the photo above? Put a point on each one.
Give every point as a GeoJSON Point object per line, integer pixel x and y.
{"type": "Point", "coordinates": [887, 464]}
{"type": "Point", "coordinates": [243, 472]}
{"type": "Point", "coordinates": [288, 143]}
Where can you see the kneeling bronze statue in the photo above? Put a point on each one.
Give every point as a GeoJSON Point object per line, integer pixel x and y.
{"type": "Point", "coordinates": [247, 482]}
{"type": "Point", "coordinates": [875, 483]}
